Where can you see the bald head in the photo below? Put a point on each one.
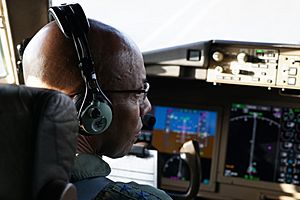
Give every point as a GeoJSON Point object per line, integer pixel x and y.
{"type": "Point", "coordinates": [50, 59]}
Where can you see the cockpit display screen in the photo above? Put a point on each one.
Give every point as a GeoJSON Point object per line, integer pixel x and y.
{"type": "Point", "coordinates": [263, 143]}
{"type": "Point", "coordinates": [176, 125]}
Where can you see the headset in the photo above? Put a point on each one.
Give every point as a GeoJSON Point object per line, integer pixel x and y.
{"type": "Point", "coordinates": [94, 108]}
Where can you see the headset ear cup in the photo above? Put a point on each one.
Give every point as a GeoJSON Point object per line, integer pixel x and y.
{"type": "Point", "coordinates": [96, 118]}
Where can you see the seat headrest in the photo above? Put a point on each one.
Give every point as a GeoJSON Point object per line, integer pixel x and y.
{"type": "Point", "coordinates": [38, 129]}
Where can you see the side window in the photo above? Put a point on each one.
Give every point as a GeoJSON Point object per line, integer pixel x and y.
{"type": "Point", "coordinates": [7, 65]}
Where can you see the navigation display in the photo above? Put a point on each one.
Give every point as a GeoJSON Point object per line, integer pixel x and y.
{"type": "Point", "coordinates": [263, 143]}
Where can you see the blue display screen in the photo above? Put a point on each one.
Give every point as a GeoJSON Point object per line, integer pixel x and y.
{"type": "Point", "coordinates": [176, 125]}
{"type": "Point", "coordinates": [182, 120]}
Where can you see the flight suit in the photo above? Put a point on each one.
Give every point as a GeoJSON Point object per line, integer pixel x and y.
{"type": "Point", "coordinates": [89, 176]}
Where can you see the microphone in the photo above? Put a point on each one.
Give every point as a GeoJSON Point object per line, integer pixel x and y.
{"type": "Point", "coordinates": [148, 122]}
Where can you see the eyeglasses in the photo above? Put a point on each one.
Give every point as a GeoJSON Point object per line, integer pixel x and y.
{"type": "Point", "coordinates": [142, 91]}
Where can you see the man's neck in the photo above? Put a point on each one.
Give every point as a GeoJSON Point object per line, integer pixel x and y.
{"type": "Point", "coordinates": [83, 145]}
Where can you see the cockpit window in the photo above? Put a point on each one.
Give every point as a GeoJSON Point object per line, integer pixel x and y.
{"type": "Point", "coordinates": [7, 73]}
{"type": "Point", "coordinates": [157, 24]}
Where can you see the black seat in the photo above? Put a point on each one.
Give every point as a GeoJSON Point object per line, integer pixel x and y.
{"type": "Point", "coordinates": [38, 130]}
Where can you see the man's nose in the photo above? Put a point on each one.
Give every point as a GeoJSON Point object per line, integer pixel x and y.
{"type": "Point", "coordinates": [145, 107]}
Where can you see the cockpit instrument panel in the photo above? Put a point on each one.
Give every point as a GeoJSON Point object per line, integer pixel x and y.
{"type": "Point", "coordinates": [230, 62]}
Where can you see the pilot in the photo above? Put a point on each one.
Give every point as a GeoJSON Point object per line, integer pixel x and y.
{"type": "Point", "coordinates": [50, 61]}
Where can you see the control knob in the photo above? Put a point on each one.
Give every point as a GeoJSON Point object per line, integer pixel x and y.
{"type": "Point", "coordinates": [242, 57]}
{"type": "Point", "coordinates": [218, 56]}
{"type": "Point", "coordinates": [219, 69]}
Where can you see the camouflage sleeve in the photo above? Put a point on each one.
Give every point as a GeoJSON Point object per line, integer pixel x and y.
{"type": "Point", "coordinates": [132, 190]}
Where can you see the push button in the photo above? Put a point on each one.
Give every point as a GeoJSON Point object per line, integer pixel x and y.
{"type": "Point", "coordinates": [291, 81]}
{"type": "Point", "coordinates": [293, 71]}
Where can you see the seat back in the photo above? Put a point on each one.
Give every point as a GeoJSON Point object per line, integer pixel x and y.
{"type": "Point", "coordinates": [38, 130]}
